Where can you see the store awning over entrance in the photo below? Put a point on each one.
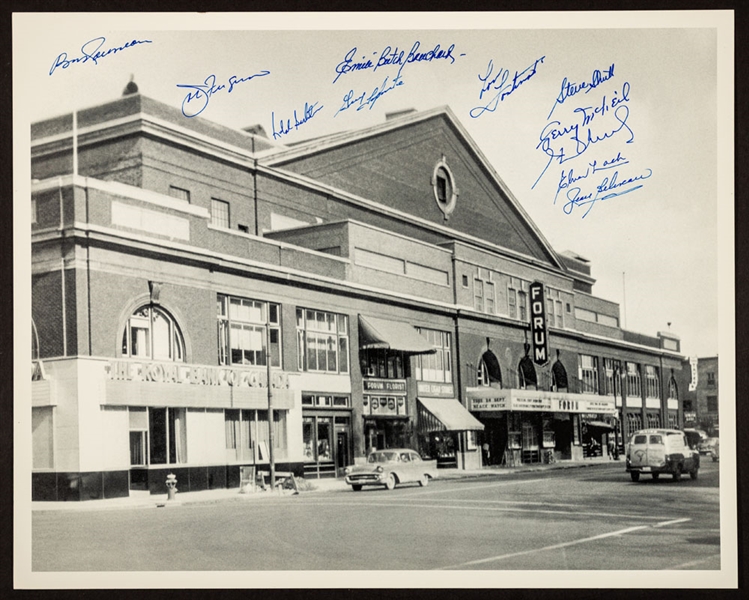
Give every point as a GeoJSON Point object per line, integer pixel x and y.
{"type": "Point", "coordinates": [452, 414]}
{"type": "Point", "coordinates": [600, 425]}
{"type": "Point", "coordinates": [379, 333]}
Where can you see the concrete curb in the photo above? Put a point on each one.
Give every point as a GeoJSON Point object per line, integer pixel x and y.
{"type": "Point", "coordinates": [324, 485]}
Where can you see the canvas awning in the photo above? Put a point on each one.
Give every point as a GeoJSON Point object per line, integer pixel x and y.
{"type": "Point", "coordinates": [380, 333]}
{"type": "Point", "coordinates": [600, 425]}
{"type": "Point", "coordinates": [452, 414]}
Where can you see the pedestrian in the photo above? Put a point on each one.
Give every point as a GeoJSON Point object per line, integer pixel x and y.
{"type": "Point", "coordinates": [485, 448]}
{"type": "Point", "coordinates": [611, 447]}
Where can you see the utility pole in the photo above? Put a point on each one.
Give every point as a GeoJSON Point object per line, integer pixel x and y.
{"type": "Point", "coordinates": [270, 400]}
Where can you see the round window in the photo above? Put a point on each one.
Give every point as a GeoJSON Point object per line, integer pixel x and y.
{"type": "Point", "coordinates": [443, 186]}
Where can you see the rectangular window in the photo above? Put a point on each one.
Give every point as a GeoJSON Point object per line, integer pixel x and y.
{"type": "Point", "coordinates": [517, 298]}
{"type": "Point", "coordinates": [478, 295]}
{"type": "Point", "coordinates": [712, 404]}
{"type": "Point", "coordinates": [168, 436]}
{"type": "Point", "coordinates": [613, 372]}
{"type": "Point", "coordinates": [687, 405]}
{"type": "Point", "coordinates": [384, 364]}
{"type": "Point", "coordinates": [179, 193]}
{"type": "Point", "coordinates": [710, 378]}
{"type": "Point", "coordinates": [634, 383]}
{"type": "Point", "coordinates": [589, 373]}
{"type": "Point", "coordinates": [550, 312]}
{"type": "Point", "coordinates": [522, 306]}
{"type": "Point", "coordinates": [244, 327]}
{"type": "Point", "coordinates": [219, 213]}
{"type": "Point", "coordinates": [437, 366]}
{"type": "Point", "coordinates": [322, 341]}
{"type": "Point", "coordinates": [559, 314]}
{"type": "Point", "coordinates": [512, 301]}
{"type": "Point", "coordinates": [652, 382]}
{"type": "Point", "coordinates": [465, 281]}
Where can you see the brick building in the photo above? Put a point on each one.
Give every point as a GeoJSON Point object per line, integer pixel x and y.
{"type": "Point", "coordinates": [374, 283]}
{"type": "Point", "coordinates": [700, 398]}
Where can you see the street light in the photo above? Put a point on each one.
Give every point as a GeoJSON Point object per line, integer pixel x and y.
{"type": "Point", "coordinates": [270, 401]}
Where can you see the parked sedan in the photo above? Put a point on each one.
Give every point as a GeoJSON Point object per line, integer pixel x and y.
{"type": "Point", "coordinates": [391, 467]}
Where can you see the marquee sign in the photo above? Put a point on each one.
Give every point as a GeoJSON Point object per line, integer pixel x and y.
{"type": "Point", "coordinates": [542, 401]}
{"type": "Point", "coordinates": [538, 324]}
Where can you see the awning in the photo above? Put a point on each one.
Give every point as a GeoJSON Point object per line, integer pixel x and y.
{"type": "Point", "coordinates": [599, 425]}
{"type": "Point", "coordinates": [452, 414]}
{"type": "Point", "coordinates": [379, 333]}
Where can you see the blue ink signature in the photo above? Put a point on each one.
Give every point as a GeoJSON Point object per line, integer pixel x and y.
{"type": "Point", "coordinates": [204, 91]}
{"type": "Point", "coordinates": [286, 126]}
{"type": "Point", "coordinates": [363, 101]}
{"type": "Point", "coordinates": [615, 188]}
{"type": "Point", "coordinates": [90, 51]}
{"type": "Point", "coordinates": [566, 179]}
{"type": "Point", "coordinates": [555, 138]}
{"type": "Point", "coordinates": [389, 56]}
{"type": "Point", "coordinates": [504, 88]}
{"type": "Point", "coordinates": [570, 89]}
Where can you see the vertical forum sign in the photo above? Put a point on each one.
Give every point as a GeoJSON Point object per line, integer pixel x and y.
{"type": "Point", "coordinates": [538, 324]}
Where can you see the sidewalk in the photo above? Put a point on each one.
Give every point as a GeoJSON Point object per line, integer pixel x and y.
{"type": "Point", "coordinates": [159, 501]}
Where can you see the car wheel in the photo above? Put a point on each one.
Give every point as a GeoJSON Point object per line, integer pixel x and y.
{"type": "Point", "coordinates": [424, 481]}
{"type": "Point", "coordinates": [693, 474]}
{"type": "Point", "coordinates": [390, 482]}
{"type": "Point", "coordinates": [356, 487]}
{"type": "Point", "coordinates": [677, 473]}
{"type": "Point", "coordinates": [656, 476]}
{"type": "Point", "coordinates": [635, 475]}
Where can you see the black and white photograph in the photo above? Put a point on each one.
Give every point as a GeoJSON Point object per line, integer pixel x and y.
{"type": "Point", "coordinates": [370, 300]}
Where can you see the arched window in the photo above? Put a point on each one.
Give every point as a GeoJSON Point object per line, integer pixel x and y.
{"type": "Point", "coordinates": [489, 372]}
{"type": "Point", "coordinates": [527, 371]}
{"type": "Point", "coordinates": [559, 376]}
{"type": "Point", "coordinates": [151, 332]}
{"type": "Point", "coordinates": [673, 391]}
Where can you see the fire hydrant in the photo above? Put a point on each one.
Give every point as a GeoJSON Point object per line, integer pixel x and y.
{"type": "Point", "coordinates": [171, 486]}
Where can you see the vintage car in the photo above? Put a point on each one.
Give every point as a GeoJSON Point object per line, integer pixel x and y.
{"type": "Point", "coordinates": [391, 467]}
{"type": "Point", "coordinates": [706, 446]}
{"type": "Point", "coordinates": [656, 451]}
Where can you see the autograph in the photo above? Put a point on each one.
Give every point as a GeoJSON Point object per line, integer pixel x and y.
{"type": "Point", "coordinates": [364, 101]}
{"type": "Point", "coordinates": [392, 56]}
{"type": "Point", "coordinates": [570, 89]}
{"type": "Point", "coordinates": [90, 51]}
{"type": "Point", "coordinates": [616, 188]}
{"type": "Point", "coordinates": [565, 142]}
{"type": "Point", "coordinates": [567, 178]}
{"type": "Point", "coordinates": [500, 83]}
{"type": "Point", "coordinates": [286, 126]}
{"type": "Point", "coordinates": [203, 92]}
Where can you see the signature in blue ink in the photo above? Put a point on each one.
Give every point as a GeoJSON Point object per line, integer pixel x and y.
{"type": "Point", "coordinates": [501, 84]}
{"type": "Point", "coordinates": [90, 51]}
{"type": "Point", "coordinates": [565, 142]}
{"type": "Point", "coordinates": [368, 101]}
{"type": "Point", "coordinates": [614, 187]}
{"type": "Point", "coordinates": [286, 126]}
{"type": "Point", "coordinates": [567, 178]}
{"type": "Point", "coordinates": [569, 89]}
{"type": "Point", "coordinates": [202, 92]}
{"type": "Point", "coordinates": [389, 56]}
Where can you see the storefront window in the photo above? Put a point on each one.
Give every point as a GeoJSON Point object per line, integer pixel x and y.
{"type": "Point", "coordinates": [437, 366]}
{"type": "Point", "coordinates": [168, 436]}
{"type": "Point", "coordinates": [322, 341]}
{"type": "Point", "coordinates": [242, 335]}
{"type": "Point", "coordinates": [152, 333]}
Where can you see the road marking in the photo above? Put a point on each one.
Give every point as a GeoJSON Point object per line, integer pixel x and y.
{"type": "Point", "coordinates": [478, 487]}
{"type": "Point", "coordinates": [488, 508]}
{"type": "Point", "coordinates": [545, 548]}
{"type": "Point", "coordinates": [691, 563]}
{"type": "Point", "coordinates": [572, 543]}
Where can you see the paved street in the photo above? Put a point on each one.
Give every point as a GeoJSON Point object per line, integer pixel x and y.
{"type": "Point", "coordinates": [572, 519]}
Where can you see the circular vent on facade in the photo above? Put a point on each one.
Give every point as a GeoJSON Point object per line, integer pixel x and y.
{"type": "Point", "coordinates": [443, 186]}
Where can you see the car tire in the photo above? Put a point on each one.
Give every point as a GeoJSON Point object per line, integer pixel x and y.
{"type": "Point", "coordinates": [390, 482]}
{"type": "Point", "coordinates": [424, 481]}
{"type": "Point", "coordinates": [656, 476]}
{"type": "Point", "coordinates": [635, 475]}
{"type": "Point", "coordinates": [694, 474]}
{"type": "Point", "coordinates": [677, 473]}
{"type": "Point", "coordinates": [356, 487]}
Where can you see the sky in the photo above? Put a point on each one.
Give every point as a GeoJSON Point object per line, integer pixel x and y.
{"type": "Point", "coordinates": [641, 93]}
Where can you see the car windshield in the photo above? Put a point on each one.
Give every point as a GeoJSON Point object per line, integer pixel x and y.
{"type": "Point", "coordinates": [382, 457]}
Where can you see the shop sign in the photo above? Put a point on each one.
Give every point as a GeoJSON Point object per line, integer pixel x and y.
{"type": "Point", "coordinates": [389, 386]}
{"type": "Point", "coordinates": [123, 370]}
{"type": "Point", "coordinates": [690, 416]}
{"type": "Point", "coordinates": [385, 405]}
{"type": "Point", "coordinates": [439, 390]}
{"type": "Point", "coordinates": [531, 403]}
{"type": "Point", "coordinates": [693, 365]}
{"type": "Point", "coordinates": [538, 324]}
{"type": "Point", "coordinates": [489, 404]}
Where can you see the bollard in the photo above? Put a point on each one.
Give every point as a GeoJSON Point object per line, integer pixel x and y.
{"type": "Point", "coordinates": [171, 486]}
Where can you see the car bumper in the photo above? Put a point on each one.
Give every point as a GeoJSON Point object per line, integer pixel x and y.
{"type": "Point", "coordinates": [366, 479]}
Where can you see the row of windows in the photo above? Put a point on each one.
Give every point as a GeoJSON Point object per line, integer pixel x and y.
{"type": "Point", "coordinates": [249, 333]}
